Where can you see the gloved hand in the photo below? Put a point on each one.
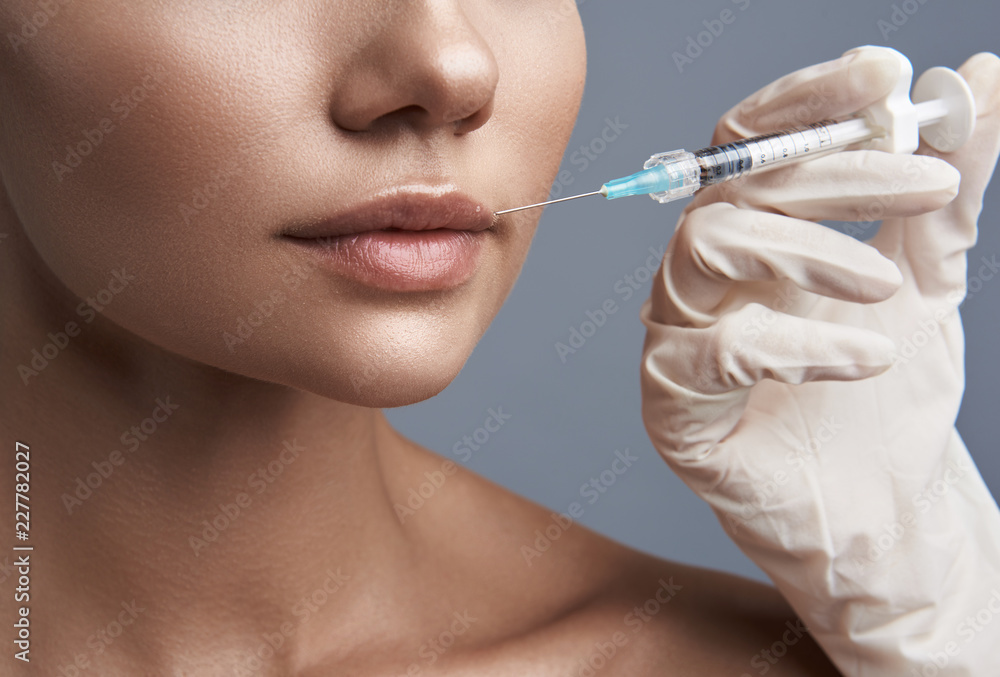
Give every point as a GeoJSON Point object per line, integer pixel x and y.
{"type": "Point", "coordinates": [806, 384]}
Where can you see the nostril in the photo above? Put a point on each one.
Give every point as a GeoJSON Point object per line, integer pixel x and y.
{"type": "Point", "coordinates": [409, 114]}
{"type": "Point", "coordinates": [476, 120]}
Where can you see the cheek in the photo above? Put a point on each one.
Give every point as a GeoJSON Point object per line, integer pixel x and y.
{"type": "Point", "coordinates": [88, 156]}
{"type": "Point", "coordinates": [143, 152]}
{"type": "Point", "coordinates": [542, 83]}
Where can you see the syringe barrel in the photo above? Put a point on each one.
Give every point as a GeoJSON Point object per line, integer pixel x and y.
{"type": "Point", "coordinates": [760, 153]}
{"type": "Point", "coordinates": [724, 163]}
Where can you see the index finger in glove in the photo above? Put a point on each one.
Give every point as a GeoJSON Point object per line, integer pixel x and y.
{"type": "Point", "coordinates": [859, 185]}
{"type": "Point", "coordinates": [833, 89]}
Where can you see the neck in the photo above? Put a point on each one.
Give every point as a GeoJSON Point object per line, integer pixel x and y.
{"type": "Point", "coordinates": [164, 491]}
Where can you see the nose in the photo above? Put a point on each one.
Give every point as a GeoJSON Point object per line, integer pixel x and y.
{"type": "Point", "coordinates": [426, 67]}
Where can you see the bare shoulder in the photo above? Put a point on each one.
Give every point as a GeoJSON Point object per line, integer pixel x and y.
{"type": "Point", "coordinates": [564, 600]}
{"type": "Point", "coordinates": [715, 623]}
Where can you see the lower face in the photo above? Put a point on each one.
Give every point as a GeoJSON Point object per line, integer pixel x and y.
{"type": "Point", "coordinates": [299, 192]}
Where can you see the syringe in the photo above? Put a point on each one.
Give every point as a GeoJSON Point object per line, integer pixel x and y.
{"type": "Point", "coordinates": [944, 116]}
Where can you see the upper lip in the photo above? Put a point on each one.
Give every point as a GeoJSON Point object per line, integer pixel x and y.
{"type": "Point", "coordinates": [405, 210]}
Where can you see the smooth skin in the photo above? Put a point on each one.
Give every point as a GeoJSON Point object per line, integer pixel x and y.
{"type": "Point", "coordinates": [225, 122]}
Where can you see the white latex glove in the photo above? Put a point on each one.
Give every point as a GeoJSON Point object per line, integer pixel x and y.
{"type": "Point", "coordinates": [767, 384]}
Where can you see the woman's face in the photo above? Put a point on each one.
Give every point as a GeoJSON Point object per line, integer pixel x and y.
{"type": "Point", "coordinates": [298, 191]}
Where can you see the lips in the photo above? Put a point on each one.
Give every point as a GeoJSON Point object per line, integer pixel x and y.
{"type": "Point", "coordinates": [410, 241]}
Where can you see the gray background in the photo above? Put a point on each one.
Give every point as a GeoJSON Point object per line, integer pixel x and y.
{"type": "Point", "coordinates": [568, 419]}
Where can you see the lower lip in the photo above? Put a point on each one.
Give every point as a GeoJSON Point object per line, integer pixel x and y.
{"type": "Point", "coordinates": [401, 260]}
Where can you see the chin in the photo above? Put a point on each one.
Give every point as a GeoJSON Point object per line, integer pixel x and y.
{"type": "Point", "coordinates": [391, 386]}
{"type": "Point", "coordinates": [385, 378]}
{"type": "Point", "coordinates": [396, 358]}
{"type": "Point", "coordinates": [392, 393]}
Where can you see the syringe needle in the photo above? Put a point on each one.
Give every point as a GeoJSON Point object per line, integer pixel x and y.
{"type": "Point", "coordinates": [542, 204]}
